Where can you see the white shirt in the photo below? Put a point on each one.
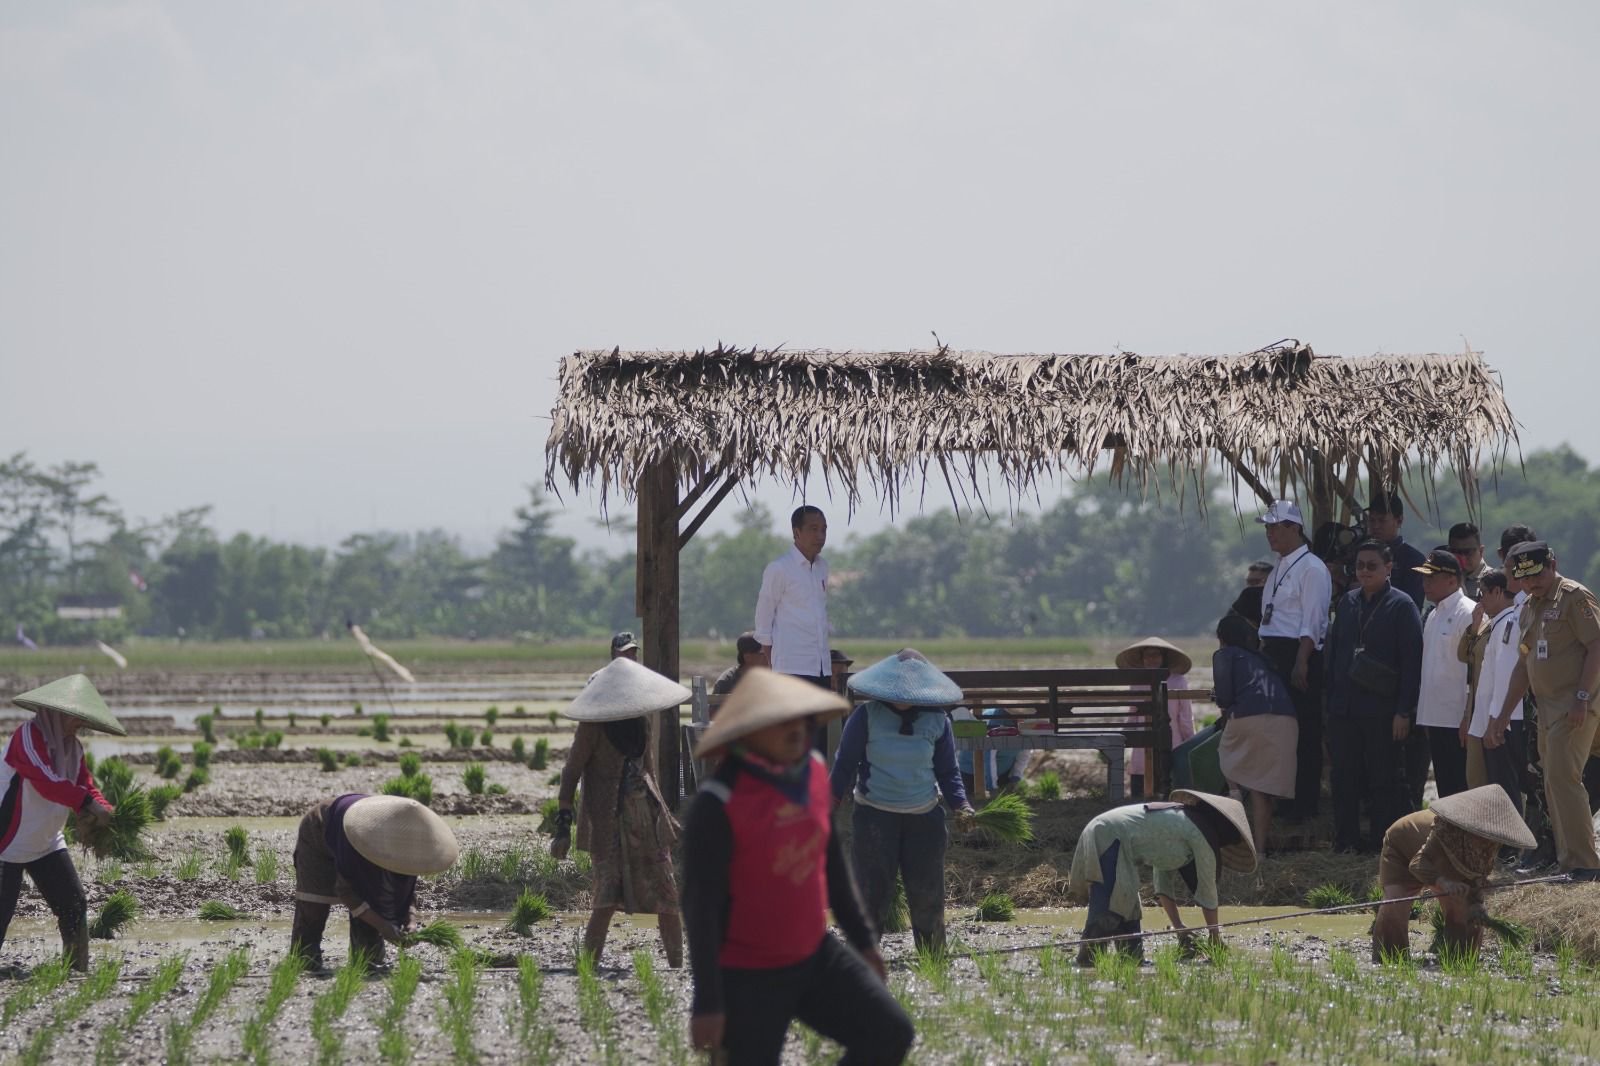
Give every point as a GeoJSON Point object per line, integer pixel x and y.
{"type": "Point", "coordinates": [792, 615]}
{"type": "Point", "coordinates": [1500, 655]}
{"type": "Point", "coordinates": [1297, 594]}
{"type": "Point", "coordinates": [1444, 676]}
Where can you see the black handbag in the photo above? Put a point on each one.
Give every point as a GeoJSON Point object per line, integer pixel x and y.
{"type": "Point", "coordinates": [1372, 674]}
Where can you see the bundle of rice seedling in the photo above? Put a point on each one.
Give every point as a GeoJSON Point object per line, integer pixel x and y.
{"type": "Point", "coordinates": [519, 749]}
{"type": "Point", "coordinates": [1007, 817]}
{"type": "Point", "coordinates": [497, 789]}
{"type": "Point", "coordinates": [205, 723]}
{"type": "Point", "coordinates": [198, 778]}
{"type": "Point", "coordinates": [238, 840]}
{"type": "Point", "coordinates": [213, 910]}
{"type": "Point", "coordinates": [898, 917]}
{"type": "Point", "coordinates": [410, 763]}
{"type": "Point", "coordinates": [547, 815]}
{"type": "Point", "coordinates": [380, 728]}
{"type": "Point", "coordinates": [1329, 895]}
{"type": "Point", "coordinates": [118, 910]}
{"type": "Point", "coordinates": [451, 737]}
{"type": "Point", "coordinates": [161, 796]}
{"type": "Point", "coordinates": [441, 934]}
{"type": "Point", "coordinates": [472, 778]}
{"type": "Point", "coordinates": [327, 760]}
{"type": "Point", "coordinates": [1047, 786]}
{"type": "Point", "coordinates": [168, 765]}
{"type": "Point", "coordinates": [201, 753]}
{"type": "Point", "coordinates": [123, 837]}
{"type": "Point", "coordinates": [492, 715]}
{"type": "Point", "coordinates": [115, 779]}
{"type": "Point", "coordinates": [1512, 934]}
{"type": "Point", "coordinates": [529, 909]}
{"type": "Point", "coordinates": [541, 754]}
{"type": "Point", "coordinates": [996, 907]}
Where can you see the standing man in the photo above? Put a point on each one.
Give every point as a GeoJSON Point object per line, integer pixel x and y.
{"type": "Point", "coordinates": [1385, 515]}
{"type": "Point", "coordinates": [1560, 663]}
{"type": "Point", "coordinates": [1294, 622]}
{"type": "Point", "coordinates": [1497, 657]}
{"type": "Point", "coordinates": [792, 610]}
{"type": "Point", "coordinates": [1374, 673]}
{"type": "Point", "coordinates": [1443, 700]}
{"type": "Point", "coordinates": [1468, 547]}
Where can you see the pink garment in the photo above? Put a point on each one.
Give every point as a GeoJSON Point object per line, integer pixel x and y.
{"type": "Point", "coordinates": [1180, 711]}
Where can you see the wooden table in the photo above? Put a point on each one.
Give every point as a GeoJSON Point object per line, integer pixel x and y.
{"type": "Point", "coordinates": [1110, 743]}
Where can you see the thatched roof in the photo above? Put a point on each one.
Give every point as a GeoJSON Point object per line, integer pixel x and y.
{"type": "Point", "coordinates": [889, 419]}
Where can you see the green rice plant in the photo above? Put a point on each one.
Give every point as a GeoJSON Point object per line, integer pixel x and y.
{"type": "Point", "coordinates": [327, 760]}
{"type": "Point", "coordinates": [40, 985]}
{"type": "Point", "coordinates": [188, 867]}
{"type": "Point", "coordinates": [405, 742]}
{"type": "Point", "coordinates": [492, 715]}
{"type": "Point", "coordinates": [224, 975]}
{"type": "Point", "coordinates": [115, 778]}
{"type": "Point", "coordinates": [519, 749]}
{"type": "Point", "coordinates": [285, 975]}
{"type": "Point", "coordinates": [352, 759]}
{"type": "Point", "coordinates": [208, 730]}
{"type": "Point", "coordinates": [511, 864]}
{"type": "Point", "coordinates": [266, 866]}
{"type": "Point", "coordinates": [554, 716]}
{"type": "Point", "coordinates": [529, 910]}
{"type": "Point", "coordinates": [123, 836]}
{"type": "Point", "coordinates": [380, 728]}
{"type": "Point", "coordinates": [109, 872]}
{"type": "Point", "coordinates": [273, 739]}
{"type": "Point", "coordinates": [357, 709]}
{"type": "Point", "coordinates": [472, 778]}
{"type": "Point", "coordinates": [541, 754]}
{"type": "Point", "coordinates": [520, 711]}
{"type": "Point", "coordinates": [394, 1045]}
{"type": "Point", "coordinates": [247, 741]}
{"type": "Point", "coordinates": [547, 815]}
{"type": "Point", "coordinates": [200, 753]}
{"type": "Point", "coordinates": [410, 763]}
{"type": "Point", "coordinates": [474, 865]}
{"type": "Point", "coordinates": [1047, 786]}
{"type": "Point", "coordinates": [331, 1005]}
{"type": "Point", "coordinates": [149, 869]}
{"type": "Point", "coordinates": [440, 933]}
{"type": "Point", "coordinates": [94, 988]}
{"type": "Point", "coordinates": [1329, 895]}
{"type": "Point", "coordinates": [294, 720]}
{"type": "Point", "coordinates": [198, 778]}
{"type": "Point", "coordinates": [897, 919]}
{"type": "Point", "coordinates": [536, 1040]}
{"type": "Point", "coordinates": [213, 910]}
{"type": "Point", "coordinates": [996, 907]}
{"type": "Point", "coordinates": [554, 779]}
{"type": "Point", "coordinates": [460, 1002]}
{"type": "Point", "coordinates": [108, 1050]}
{"type": "Point", "coordinates": [497, 789]}
{"type": "Point", "coordinates": [232, 867]}
{"type": "Point", "coordinates": [595, 1013]}
{"type": "Point", "coordinates": [659, 1007]}
{"type": "Point", "coordinates": [1008, 817]}
{"type": "Point", "coordinates": [419, 788]}
{"type": "Point", "coordinates": [261, 720]}
{"type": "Point", "coordinates": [167, 763]}
{"type": "Point", "coordinates": [450, 733]}
{"type": "Point", "coordinates": [486, 738]}
{"type": "Point", "coordinates": [237, 838]}
{"type": "Point", "coordinates": [161, 797]}
{"type": "Point", "coordinates": [324, 719]}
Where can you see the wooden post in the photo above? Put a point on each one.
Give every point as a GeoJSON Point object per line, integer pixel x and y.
{"type": "Point", "coordinates": [658, 605]}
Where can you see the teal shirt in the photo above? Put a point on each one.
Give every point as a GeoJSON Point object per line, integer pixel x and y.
{"type": "Point", "coordinates": [1165, 840]}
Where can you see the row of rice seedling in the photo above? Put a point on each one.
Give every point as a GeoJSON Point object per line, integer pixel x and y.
{"type": "Point", "coordinates": [285, 975]}
{"type": "Point", "coordinates": [331, 1005]}
{"type": "Point", "coordinates": [93, 989]}
{"type": "Point", "coordinates": [661, 1009]}
{"type": "Point", "coordinates": [108, 1050]}
{"type": "Point", "coordinates": [394, 1043]}
{"type": "Point", "coordinates": [460, 1003]}
{"type": "Point", "coordinates": [180, 1033]}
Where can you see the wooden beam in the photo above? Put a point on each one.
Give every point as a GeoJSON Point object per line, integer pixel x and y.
{"type": "Point", "coordinates": [698, 491]}
{"type": "Point", "coordinates": [1266, 494]}
{"type": "Point", "coordinates": [705, 512]}
{"type": "Point", "coordinates": [658, 606]}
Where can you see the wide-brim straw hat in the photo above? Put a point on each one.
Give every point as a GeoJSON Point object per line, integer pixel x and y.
{"type": "Point", "coordinates": [765, 698]}
{"type": "Point", "coordinates": [906, 677]}
{"type": "Point", "coordinates": [1241, 854]}
{"type": "Point", "coordinates": [75, 696]}
{"type": "Point", "coordinates": [623, 689]}
{"type": "Point", "coordinates": [1485, 811]}
{"type": "Point", "coordinates": [400, 835]}
{"type": "Point", "coordinates": [1177, 661]}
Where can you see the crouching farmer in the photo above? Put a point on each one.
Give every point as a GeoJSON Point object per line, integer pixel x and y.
{"type": "Point", "coordinates": [365, 852]}
{"type": "Point", "coordinates": [44, 778]}
{"type": "Point", "coordinates": [1448, 849]}
{"type": "Point", "coordinates": [761, 868]}
{"type": "Point", "coordinates": [1184, 842]}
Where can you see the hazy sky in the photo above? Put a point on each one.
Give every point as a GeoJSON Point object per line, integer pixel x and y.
{"type": "Point", "coordinates": [316, 263]}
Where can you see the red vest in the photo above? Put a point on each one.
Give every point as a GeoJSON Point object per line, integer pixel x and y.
{"type": "Point", "coordinates": [778, 879]}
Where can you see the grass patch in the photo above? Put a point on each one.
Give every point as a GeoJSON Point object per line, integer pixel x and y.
{"type": "Point", "coordinates": [280, 987]}
{"type": "Point", "coordinates": [1329, 895]}
{"type": "Point", "coordinates": [119, 909]}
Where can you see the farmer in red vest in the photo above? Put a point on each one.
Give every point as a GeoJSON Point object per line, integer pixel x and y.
{"type": "Point", "coordinates": [761, 868]}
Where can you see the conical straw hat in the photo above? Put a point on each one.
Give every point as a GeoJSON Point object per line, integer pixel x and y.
{"type": "Point", "coordinates": [907, 677]}
{"type": "Point", "coordinates": [1485, 811]}
{"type": "Point", "coordinates": [762, 698]}
{"type": "Point", "coordinates": [624, 689]}
{"type": "Point", "coordinates": [1239, 855]}
{"type": "Point", "coordinates": [75, 696]}
{"type": "Point", "coordinates": [1177, 661]}
{"type": "Point", "coordinates": [400, 835]}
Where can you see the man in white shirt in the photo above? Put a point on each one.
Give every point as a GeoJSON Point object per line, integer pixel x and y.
{"type": "Point", "coordinates": [792, 609]}
{"type": "Point", "coordinates": [1294, 623]}
{"type": "Point", "coordinates": [1503, 765]}
{"type": "Point", "coordinates": [1443, 699]}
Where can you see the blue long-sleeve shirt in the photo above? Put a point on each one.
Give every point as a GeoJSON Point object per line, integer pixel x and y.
{"type": "Point", "coordinates": [1390, 629]}
{"type": "Point", "coordinates": [893, 771]}
{"type": "Point", "coordinates": [1246, 684]}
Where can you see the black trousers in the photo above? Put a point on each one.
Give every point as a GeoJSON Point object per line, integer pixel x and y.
{"type": "Point", "coordinates": [1365, 756]}
{"type": "Point", "coordinates": [1508, 764]}
{"type": "Point", "coordinates": [57, 881]}
{"type": "Point", "coordinates": [833, 992]}
{"type": "Point", "coordinates": [1415, 757]}
{"type": "Point", "coordinates": [1283, 652]}
{"type": "Point", "coordinates": [311, 919]}
{"type": "Point", "coordinates": [885, 844]}
{"type": "Point", "coordinates": [1449, 759]}
{"type": "Point", "coordinates": [819, 739]}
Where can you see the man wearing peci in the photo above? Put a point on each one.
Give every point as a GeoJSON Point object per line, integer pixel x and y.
{"type": "Point", "coordinates": [792, 609]}
{"type": "Point", "coordinates": [1294, 623]}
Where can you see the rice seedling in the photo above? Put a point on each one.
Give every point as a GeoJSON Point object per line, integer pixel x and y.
{"type": "Point", "coordinates": [394, 1045]}
{"type": "Point", "coordinates": [188, 867]}
{"type": "Point", "coordinates": [108, 1050]}
{"type": "Point", "coordinates": [410, 763]}
{"type": "Point", "coordinates": [460, 1002]}
{"type": "Point", "coordinates": [536, 1040]}
{"type": "Point", "coordinates": [115, 778]}
{"type": "Point", "coordinates": [1329, 895]}
{"type": "Point", "coordinates": [352, 759]}
{"type": "Point", "coordinates": [206, 724]}
{"type": "Point", "coordinates": [659, 1007]}
{"type": "Point", "coordinates": [327, 760]}
{"type": "Point", "coordinates": [200, 754]}
{"type": "Point", "coordinates": [380, 728]}
{"type": "Point", "coordinates": [213, 910]}
{"type": "Point", "coordinates": [520, 711]}
{"type": "Point", "coordinates": [419, 788]}
{"type": "Point", "coordinates": [529, 910]}
{"type": "Point", "coordinates": [486, 738]}
{"type": "Point", "coordinates": [232, 867]}
{"type": "Point", "coordinates": [198, 778]}
{"type": "Point", "coordinates": [1047, 786]}
{"type": "Point", "coordinates": [324, 719]}
{"type": "Point", "coordinates": [285, 975]}
{"type": "Point", "coordinates": [331, 1005]}
{"type": "Point", "coordinates": [405, 742]}
{"type": "Point", "coordinates": [266, 866]}
{"type": "Point", "coordinates": [492, 715]}
{"type": "Point", "coordinates": [41, 983]}
{"type": "Point", "coordinates": [898, 917]}
{"type": "Point", "coordinates": [274, 739]}
{"type": "Point", "coordinates": [224, 975]}
{"type": "Point", "coordinates": [294, 720]}
{"type": "Point", "coordinates": [167, 763]}
{"type": "Point", "coordinates": [496, 789]}
{"type": "Point", "coordinates": [547, 815]}
{"type": "Point", "coordinates": [237, 838]}
{"type": "Point", "coordinates": [511, 864]}
{"type": "Point", "coordinates": [554, 716]}
{"type": "Point", "coordinates": [149, 869]}
{"type": "Point", "coordinates": [440, 933]}
{"type": "Point", "coordinates": [93, 989]}
{"type": "Point", "coordinates": [473, 865]}
{"type": "Point", "coordinates": [161, 797]}
{"type": "Point", "coordinates": [109, 872]}
{"type": "Point", "coordinates": [541, 754]}
{"type": "Point", "coordinates": [261, 720]}
{"type": "Point", "coordinates": [357, 709]}
{"type": "Point", "coordinates": [595, 1013]}
{"type": "Point", "coordinates": [247, 741]}
{"type": "Point", "coordinates": [472, 778]}
{"type": "Point", "coordinates": [996, 907]}
{"type": "Point", "coordinates": [1007, 817]}
{"type": "Point", "coordinates": [519, 749]}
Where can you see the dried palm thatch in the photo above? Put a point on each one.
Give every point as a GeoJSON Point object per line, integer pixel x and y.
{"type": "Point", "coordinates": [890, 419]}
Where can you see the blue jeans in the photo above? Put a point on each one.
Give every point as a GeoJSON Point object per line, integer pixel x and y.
{"type": "Point", "coordinates": [1102, 920]}
{"type": "Point", "coordinates": [886, 843]}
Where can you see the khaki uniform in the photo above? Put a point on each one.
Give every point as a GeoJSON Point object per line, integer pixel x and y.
{"type": "Point", "coordinates": [1555, 631]}
{"type": "Point", "coordinates": [1470, 651]}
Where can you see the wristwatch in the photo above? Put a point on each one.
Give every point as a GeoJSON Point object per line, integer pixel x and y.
{"type": "Point", "coordinates": [1583, 697]}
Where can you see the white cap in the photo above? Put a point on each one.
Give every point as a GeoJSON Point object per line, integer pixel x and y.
{"type": "Point", "coordinates": [1283, 511]}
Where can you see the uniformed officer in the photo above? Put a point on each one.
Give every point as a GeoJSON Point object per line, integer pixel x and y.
{"type": "Point", "coordinates": [1560, 662]}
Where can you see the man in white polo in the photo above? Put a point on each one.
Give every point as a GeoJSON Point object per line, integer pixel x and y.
{"type": "Point", "coordinates": [792, 609]}
{"type": "Point", "coordinates": [1294, 623]}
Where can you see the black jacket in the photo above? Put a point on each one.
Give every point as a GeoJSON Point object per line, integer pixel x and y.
{"type": "Point", "coordinates": [1390, 628]}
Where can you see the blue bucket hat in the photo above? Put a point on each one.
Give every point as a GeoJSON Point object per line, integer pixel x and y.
{"type": "Point", "coordinates": [907, 677]}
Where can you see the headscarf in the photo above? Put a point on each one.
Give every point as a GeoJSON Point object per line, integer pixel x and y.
{"type": "Point", "coordinates": [1236, 631]}
{"type": "Point", "coordinates": [1473, 855]}
{"type": "Point", "coordinates": [65, 751]}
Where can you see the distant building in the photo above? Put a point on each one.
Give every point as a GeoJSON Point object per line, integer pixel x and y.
{"type": "Point", "coordinates": [88, 608]}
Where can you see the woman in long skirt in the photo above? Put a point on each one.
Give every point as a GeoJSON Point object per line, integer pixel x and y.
{"type": "Point", "coordinates": [1258, 723]}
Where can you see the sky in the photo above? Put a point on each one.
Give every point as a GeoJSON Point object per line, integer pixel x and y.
{"type": "Point", "coordinates": [316, 264]}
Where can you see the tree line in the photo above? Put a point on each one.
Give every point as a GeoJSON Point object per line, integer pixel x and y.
{"type": "Point", "coordinates": [1100, 560]}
